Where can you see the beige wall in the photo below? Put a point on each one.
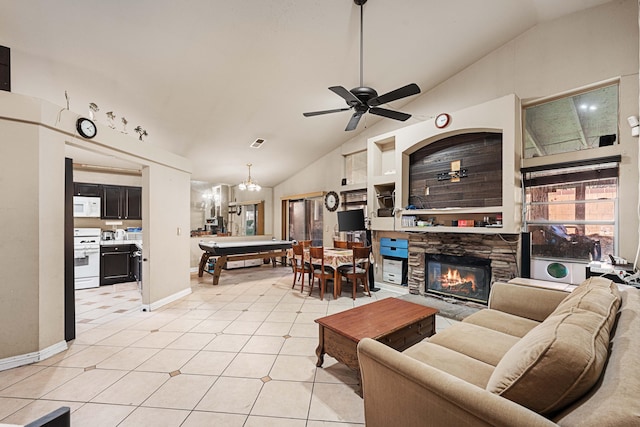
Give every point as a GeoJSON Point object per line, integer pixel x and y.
{"type": "Point", "coordinates": [558, 56]}
{"type": "Point", "coordinates": [19, 249]}
{"type": "Point", "coordinates": [165, 212]}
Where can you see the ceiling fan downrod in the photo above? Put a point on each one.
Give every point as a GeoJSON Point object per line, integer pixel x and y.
{"type": "Point", "coordinates": [361, 4]}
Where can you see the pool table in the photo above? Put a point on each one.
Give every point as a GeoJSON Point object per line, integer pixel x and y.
{"type": "Point", "coordinates": [240, 250]}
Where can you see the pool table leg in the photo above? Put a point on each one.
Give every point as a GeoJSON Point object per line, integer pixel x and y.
{"type": "Point", "coordinates": [203, 261]}
{"type": "Point", "coordinates": [220, 262]}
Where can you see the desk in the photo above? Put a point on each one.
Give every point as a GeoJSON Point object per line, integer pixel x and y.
{"type": "Point", "coordinates": [240, 250]}
{"type": "Point", "coordinates": [392, 321]}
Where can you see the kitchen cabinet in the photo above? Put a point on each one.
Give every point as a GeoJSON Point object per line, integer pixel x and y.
{"type": "Point", "coordinates": [121, 202]}
{"type": "Point", "coordinates": [115, 263]}
{"type": "Point", "coordinates": [86, 189]}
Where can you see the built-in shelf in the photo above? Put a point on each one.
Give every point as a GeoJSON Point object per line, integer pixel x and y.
{"type": "Point", "coordinates": [448, 211]}
{"type": "Point", "coordinates": [389, 164]}
{"type": "Point", "coordinates": [445, 229]}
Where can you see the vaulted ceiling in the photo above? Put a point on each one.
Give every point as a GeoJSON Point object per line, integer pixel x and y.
{"type": "Point", "coordinates": [206, 78]}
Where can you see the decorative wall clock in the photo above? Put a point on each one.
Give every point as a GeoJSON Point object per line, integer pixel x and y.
{"type": "Point", "coordinates": [442, 120]}
{"type": "Point", "coordinates": [86, 128]}
{"type": "Point", "coordinates": [331, 201]}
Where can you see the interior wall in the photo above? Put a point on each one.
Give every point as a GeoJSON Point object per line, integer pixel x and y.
{"type": "Point", "coordinates": [166, 216]}
{"type": "Point", "coordinates": [51, 179]}
{"type": "Point", "coordinates": [584, 48]}
{"type": "Point", "coordinates": [19, 249]}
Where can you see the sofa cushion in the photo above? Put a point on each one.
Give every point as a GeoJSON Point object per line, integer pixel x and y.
{"type": "Point", "coordinates": [594, 294]}
{"type": "Point", "coordinates": [457, 364]}
{"type": "Point", "coordinates": [502, 322]}
{"type": "Point", "coordinates": [472, 340]}
{"type": "Point", "coordinates": [560, 359]}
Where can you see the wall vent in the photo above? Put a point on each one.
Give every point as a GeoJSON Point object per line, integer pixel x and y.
{"type": "Point", "coordinates": [257, 143]}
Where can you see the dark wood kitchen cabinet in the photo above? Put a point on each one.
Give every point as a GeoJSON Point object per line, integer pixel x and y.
{"type": "Point", "coordinates": [121, 202]}
{"type": "Point", "coordinates": [86, 189]}
{"type": "Point", "coordinates": [115, 263]}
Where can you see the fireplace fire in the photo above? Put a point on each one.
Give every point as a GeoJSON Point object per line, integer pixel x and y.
{"type": "Point", "coordinates": [461, 277]}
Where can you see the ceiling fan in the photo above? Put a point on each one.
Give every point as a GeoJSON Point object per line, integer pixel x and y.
{"type": "Point", "coordinates": [364, 99]}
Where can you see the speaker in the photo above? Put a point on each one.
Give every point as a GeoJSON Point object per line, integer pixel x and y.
{"type": "Point", "coordinates": [5, 68]}
{"type": "Point", "coordinates": [525, 255]}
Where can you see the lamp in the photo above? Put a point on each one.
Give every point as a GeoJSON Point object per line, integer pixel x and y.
{"type": "Point", "coordinates": [249, 184]}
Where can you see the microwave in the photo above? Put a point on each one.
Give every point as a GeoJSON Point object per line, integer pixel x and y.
{"type": "Point", "coordinates": [86, 207]}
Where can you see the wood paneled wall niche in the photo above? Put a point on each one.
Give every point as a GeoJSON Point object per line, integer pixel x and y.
{"type": "Point", "coordinates": [479, 153]}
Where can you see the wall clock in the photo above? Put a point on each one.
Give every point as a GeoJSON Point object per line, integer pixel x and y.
{"type": "Point", "coordinates": [86, 128]}
{"type": "Point", "coordinates": [331, 201]}
{"type": "Point", "coordinates": [442, 120]}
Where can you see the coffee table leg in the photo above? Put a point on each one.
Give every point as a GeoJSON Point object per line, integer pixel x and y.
{"type": "Point", "coordinates": [320, 349]}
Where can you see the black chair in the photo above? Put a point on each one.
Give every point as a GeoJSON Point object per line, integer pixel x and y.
{"type": "Point", "coordinates": [61, 417]}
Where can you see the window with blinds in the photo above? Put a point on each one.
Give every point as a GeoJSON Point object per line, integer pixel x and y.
{"type": "Point", "coordinates": [572, 211]}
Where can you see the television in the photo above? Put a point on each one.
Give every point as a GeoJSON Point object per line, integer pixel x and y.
{"type": "Point", "coordinates": [352, 220]}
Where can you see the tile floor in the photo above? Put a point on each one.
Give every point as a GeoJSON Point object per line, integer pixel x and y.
{"type": "Point", "coordinates": [238, 354]}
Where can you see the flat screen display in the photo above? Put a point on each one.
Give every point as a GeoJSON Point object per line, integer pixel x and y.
{"type": "Point", "coordinates": [351, 220]}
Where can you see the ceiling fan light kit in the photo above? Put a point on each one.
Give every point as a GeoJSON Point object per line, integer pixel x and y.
{"type": "Point", "coordinates": [363, 99]}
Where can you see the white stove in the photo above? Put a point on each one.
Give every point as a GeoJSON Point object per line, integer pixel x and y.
{"type": "Point", "coordinates": [86, 257]}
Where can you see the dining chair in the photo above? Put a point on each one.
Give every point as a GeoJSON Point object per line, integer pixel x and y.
{"type": "Point", "coordinates": [305, 243]}
{"type": "Point", "coordinates": [340, 244]}
{"type": "Point", "coordinates": [353, 244]}
{"type": "Point", "coordinates": [320, 271]}
{"type": "Point", "coordinates": [358, 269]}
{"type": "Point", "coordinates": [300, 268]}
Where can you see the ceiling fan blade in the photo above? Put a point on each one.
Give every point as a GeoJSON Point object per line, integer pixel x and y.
{"type": "Point", "coordinates": [403, 92]}
{"type": "Point", "coordinates": [344, 93]}
{"type": "Point", "coordinates": [353, 123]}
{"type": "Point", "coordinates": [397, 115]}
{"type": "Point", "coordinates": [318, 113]}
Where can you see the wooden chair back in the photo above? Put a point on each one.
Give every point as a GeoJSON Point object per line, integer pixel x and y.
{"type": "Point", "coordinates": [359, 269]}
{"type": "Point", "coordinates": [361, 256]}
{"type": "Point", "coordinates": [316, 259]}
{"type": "Point", "coordinates": [352, 244]}
{"type": "Point", "coordinates": [341, 244]}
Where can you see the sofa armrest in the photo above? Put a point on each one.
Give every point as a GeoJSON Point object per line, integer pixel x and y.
{"type": "Point", "coordinates": [535, 303]}
{"type": "Point", "coordinates": [400, 390]}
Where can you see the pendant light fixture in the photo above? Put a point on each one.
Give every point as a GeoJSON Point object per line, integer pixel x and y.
{"type": "Point", "coordinates": [249, 184]}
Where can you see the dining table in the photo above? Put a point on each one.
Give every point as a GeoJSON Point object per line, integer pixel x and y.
{"type": "Point", "coordinates": [334, 258]}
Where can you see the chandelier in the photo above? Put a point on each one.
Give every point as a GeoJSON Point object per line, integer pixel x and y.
{"type": "Point", "coordinates": [249, 184]}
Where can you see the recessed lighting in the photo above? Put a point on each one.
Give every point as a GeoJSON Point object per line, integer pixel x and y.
{"type": "Point", "coordinates": [593, 108]}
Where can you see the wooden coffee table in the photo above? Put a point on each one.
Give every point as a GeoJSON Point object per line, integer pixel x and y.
{"type": "Point", "coordinates": [394, 322]}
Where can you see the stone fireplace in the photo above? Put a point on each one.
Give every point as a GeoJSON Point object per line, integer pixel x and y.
{"type": "Point", "coordinates": [477, 257]}
{"type": "Point", "coordinates": [462, 277]}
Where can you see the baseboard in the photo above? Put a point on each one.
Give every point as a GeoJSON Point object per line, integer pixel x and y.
{"type": "Point", "coordinates": [167, 300]}
{"type": "Point", "coordinates": [36, 356]}
{"type": "Point", "coordinates": [402, 290]}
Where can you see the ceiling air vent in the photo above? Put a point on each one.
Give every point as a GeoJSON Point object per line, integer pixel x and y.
{"type": "Point", "coordinates": [257, 143]}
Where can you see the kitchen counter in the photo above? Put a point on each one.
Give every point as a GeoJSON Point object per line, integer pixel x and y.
{"type": "Point", "coordinates": [138, 243]}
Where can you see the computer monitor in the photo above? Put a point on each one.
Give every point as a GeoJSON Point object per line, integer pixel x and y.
{"type": "Point", "coordinates": [352, 220]}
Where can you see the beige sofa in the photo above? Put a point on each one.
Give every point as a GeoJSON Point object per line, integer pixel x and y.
{"type": "Point", "coordinates": [534, 357]}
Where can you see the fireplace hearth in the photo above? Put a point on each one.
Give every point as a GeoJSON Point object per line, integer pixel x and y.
{"type": "Point", "coordinates": [462, 277]}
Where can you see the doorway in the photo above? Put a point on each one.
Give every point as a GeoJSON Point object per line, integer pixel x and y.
{"type": "Point", "coordinates": [305, 220]}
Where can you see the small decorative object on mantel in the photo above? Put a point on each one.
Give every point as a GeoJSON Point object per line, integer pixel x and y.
{"type": "Point", "coordinates": [455, 174]}
{"type": "Point", "coordinates": [140, 132]}
{"type": "Point", "coordinates": [331, 201]}
{"type": "Point", "coordinates": [110, 118]}
{"type": "Point", "coordinates": [124, 125]}
{"type": "Point", "coordinates": [93, 109]}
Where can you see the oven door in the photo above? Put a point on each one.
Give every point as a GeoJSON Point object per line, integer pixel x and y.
{"type": "Point", "coordinates": [86, 262]}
